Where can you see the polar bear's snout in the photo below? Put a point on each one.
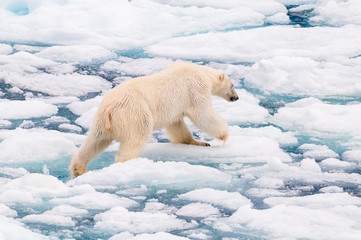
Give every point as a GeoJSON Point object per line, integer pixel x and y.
{"type": "Point", "coordinates": [234, 98]}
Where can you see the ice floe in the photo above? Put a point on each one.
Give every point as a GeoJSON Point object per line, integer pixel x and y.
{"type": "Point", "coordinates": [147, 236]}
{"type": "Point", "coordinates": [303, 76]}
{"type": "Point", "coordinates": [312, 115]}
{"type": "Point", "coordinates": [77, 53]}
{"type": "Point", "coordinates": [318, 43]}
{"type": "Point", "coordinates": [26, 109]}
{"type": "Point", "coordinates": [119, 219]}
{"type": "Point", "coordinates": [5, 49]}
{"type": "Point", "coordinates": [290, 169]}
{"type": "Point", "coordinates": [238, 149]}
{"type": "Point", "coordinates": [32, 146]}
{"type": "Point", "coordinates": [230, 200]}
{"type": "Point", "coordinates": [198, 210]}
{"type": "Point", "coordinates": [337, 13]}
{"type": "Point", "coordinates": [153, 173]}
{"type": "Point", "coordinates": [12, 229]}
{"type": "Point", "coordinates": [302, 222]}
{"type": "Point", "coordinates": [139, 24]}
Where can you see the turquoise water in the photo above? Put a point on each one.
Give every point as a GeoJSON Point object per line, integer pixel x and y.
{"type": "Point", "coordinates": [251, 179]}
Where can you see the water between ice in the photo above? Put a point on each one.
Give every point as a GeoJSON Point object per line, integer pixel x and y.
{"type": "Point", "coordinates": [291, 167]}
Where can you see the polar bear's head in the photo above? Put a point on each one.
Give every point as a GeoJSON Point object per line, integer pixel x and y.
{"type": "Point", "coordinates": [224, 88]}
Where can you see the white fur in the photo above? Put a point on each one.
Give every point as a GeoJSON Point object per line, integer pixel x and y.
{"type": "Point", "coordinates": [130, 112]}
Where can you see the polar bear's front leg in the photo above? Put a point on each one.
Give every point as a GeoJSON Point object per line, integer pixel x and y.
{"type": "Point", "coordinates": [179, 133]}
{"type": "Point", "coordinates": [210, 122]}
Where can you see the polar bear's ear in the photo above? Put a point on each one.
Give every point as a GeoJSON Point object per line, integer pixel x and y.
{"type": "Point", "coordinates": [221, 76]}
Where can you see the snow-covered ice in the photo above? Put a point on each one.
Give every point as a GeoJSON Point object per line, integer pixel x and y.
{"type": "Point", "coordinates": [289, 170]}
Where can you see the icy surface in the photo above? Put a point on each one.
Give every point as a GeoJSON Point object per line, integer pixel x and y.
{"type": "Point", "coordinates": [289, 170]}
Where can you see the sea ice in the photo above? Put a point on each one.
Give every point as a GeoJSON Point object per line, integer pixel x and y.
{"type": "Point", "coordinates": [59, 85]}
{"type": "Point", "coordinates": [12, 229]}
{"type": "Point", "coordinates": [336, 164]}
{"type": "Point", "coordinates": [80, 108]}
{"type": "Point", "coordinates": [31, 188]}
{"type": "Point", "coordinates": [26, 109]}
{"type": "Point", "coordinates": [13, 172]}
{"type": "Point", "coordinates": [76, 53]}
{"type": "Point", "coordinates": [266, 7]}
{"type": "Point", "coordinates": [317, 152]}
{"type": "Point", "coordinates": [230, 200]}
{"type": "Point", "coordinates": [290, 169]}
{"type": "Point", "coordinates": [353, 155]}
{"type": "Point", "coordinates": [311, 115]}
{"type": "Point", "coordinates": [131, 66]}
{"type": "Point", "coordinates": [337, 13]}
{"type": "Point", "coordinates": [95, 200]}
{"type": "Point", "coordinates": [147, 236]}
{"type": "Point", "coordinates": [316, 201]}
{"type": "Point", "coordinates": [33, 146]}
{"type": "Point", "coordinates": [5, 49]}
{"type": "Point", "coordinates": [198, 210]}
{"type": "Point", "coordinates": [70, 127]}
{"type": "Point", "coordinates": [269, 182]}
{"type": "Point", "coordinates": [246, 110]}
{"type": "Point", "coordinates": [319, 43]}
{"type": "Point", "coordinates": [5, 123]}
{"type": "Point", "coordinates": [339, 222]}
{"type": "Point", "coordinates": [119, 219]}
{"type": "Point", "coordinates": [153, 173]}
{"type": "Point", "coordinates": [49, 219]}
{"type": "Point", "coordinates": [303, 76]}
{"type": "Point", "coordinates": [6, 211]}
{"type": "Point", "coordinates": [239, 148]}
{"type": "Point", "coordinates": [82, 22]}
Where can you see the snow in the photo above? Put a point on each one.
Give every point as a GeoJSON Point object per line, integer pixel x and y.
{"type": "Point", "coordinates": [95, 200]}
{"type": "Point", "coordinates": [59, 85]}
{"type": "Point", "coordinates": [32, 146]}
{"type": "Point", "coordinates": [153, 173]}
{"type": "Point", "coordinates": [289, 170]}
{"type": "Point", "coordinates": [245, 110]}
{"type": "Point", "coordinates": [151, 236]}
{"type": "Point", "coordinates": [337, 13]}
{"type": "Point", "coordinates": [5, 123]}
{"type": "Point", "coordinates": [319, 43]}
{"type": "Point", "coordinates": [6, 211]}
{"type": "Point", "coordinates": [5, 49]}
{"type": "Point", "coordinates": [317, 201]}
{"type": "Point", "coordinates": [49, 219]}
{"type": "Point", "coordinates": [198, 210]}
{"type": "Point", "coordinates": [70, 127]}
{"type": "Point", "coordinates": [302, 222]}
{"type": "Point", "coordinates": [80, 108]}
{"type": "Point", "coordinates": [119, 219]}
{"type": "Point", "coordinates": [12, 229]}
{"type": "Point", "coordinates": [269, 182]}
{"type": "Point", "coordinates": [303, 76]}
{"type": "Point", "coordinates": [26, 109]}
{"type": "Point", "coordinates": [317, 152]}
{"type": "Point", "coordinates": [76, 53]}
{"type": "Point", "coordinates": [131, 66]}
{"type": "Point", "coordinates": [83, 22]}
{"type": "Point", "coordinates": [230, 200]}
{"type": "Point", "coordinates": [318, 117]}
{"type": "Point", "coordinates": [334, 163]}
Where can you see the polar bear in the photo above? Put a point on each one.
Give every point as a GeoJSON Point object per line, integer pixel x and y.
{"type": "Point", "coordinates": [130, 112]}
